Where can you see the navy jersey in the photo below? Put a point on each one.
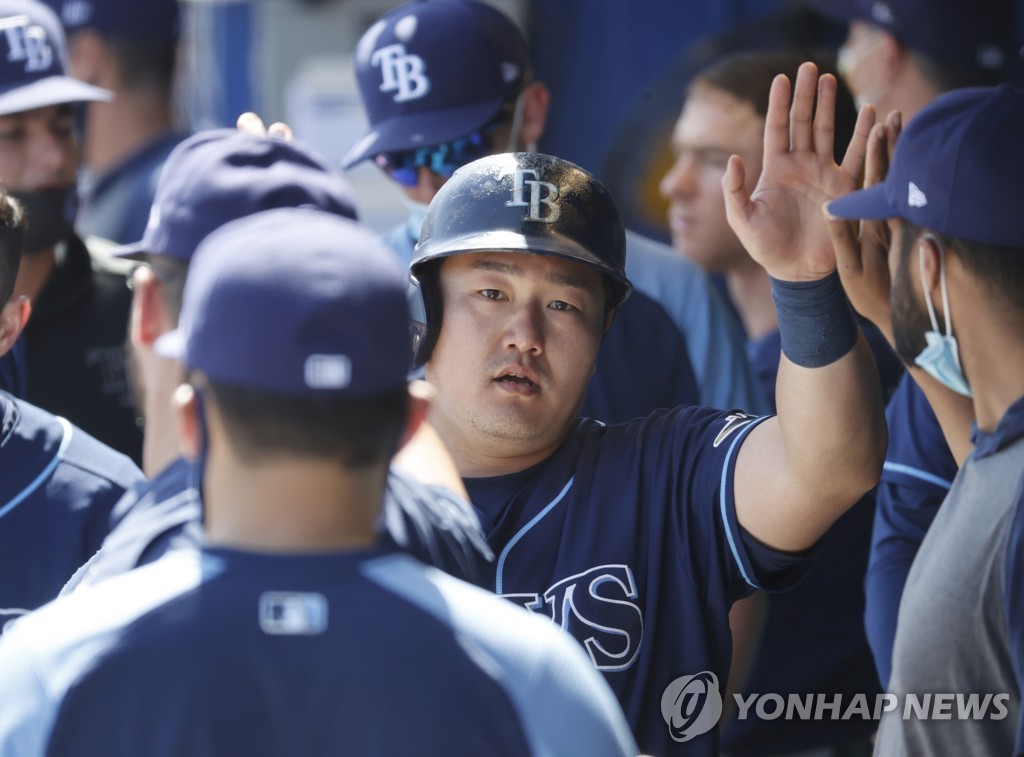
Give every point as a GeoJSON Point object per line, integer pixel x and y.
{"type": "Point", "coordinates": [627, 537]}
{"type": "Point", "coordinates": [156, 516]}
{"type": "Point", "coordinates": [919, 470]}
{"type": "Point", "coordinates": [219, 652]}
{"type": "Point", "coordinates": [12, 369]}
{"type": "Point", "coordinates": [57, 488]}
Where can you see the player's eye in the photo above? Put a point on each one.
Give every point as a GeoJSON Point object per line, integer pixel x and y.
{"type": "Point", "coordinates": [491, 294]}
{"type": "Point", "coordinates": [561, 305]}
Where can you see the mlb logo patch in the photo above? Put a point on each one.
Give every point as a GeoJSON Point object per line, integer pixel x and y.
{"type": "Point", "coordinates": [293, 613]}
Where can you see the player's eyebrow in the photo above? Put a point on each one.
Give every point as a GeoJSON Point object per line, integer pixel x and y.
{"type": "Point", "coordinates": [554, 277]}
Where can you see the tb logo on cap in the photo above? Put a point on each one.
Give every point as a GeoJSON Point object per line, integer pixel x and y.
{"type": "Point", "coordinates": [402, 72]}
{"type": "Point", "coordinates": [535, 189]}
{"type": "Point", "coordinates": [26, 43]}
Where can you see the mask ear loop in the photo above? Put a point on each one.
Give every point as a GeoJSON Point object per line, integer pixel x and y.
{"type": "Point", "coordinates": [199, 468]}
{"type": "Point", "coordinates": [517, 126]}
{"type": "Point", "coordinates": [942, 286]}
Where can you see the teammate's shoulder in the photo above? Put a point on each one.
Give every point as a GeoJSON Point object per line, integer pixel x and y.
{"type": "Point", "coordinates": [644, 252]}
{"type": "Point", "coordinates": [86, 454]}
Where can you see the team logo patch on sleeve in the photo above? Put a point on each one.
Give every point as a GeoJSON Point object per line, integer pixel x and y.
{"type": "Point", "coordinates": [733, 423]}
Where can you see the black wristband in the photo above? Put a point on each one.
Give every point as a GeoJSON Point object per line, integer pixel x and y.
{"type": "Point", "coordinates": [816, 323]}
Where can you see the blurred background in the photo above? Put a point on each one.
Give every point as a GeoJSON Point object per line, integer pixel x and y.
{"type": "Point", "coordinates": [618, 71]}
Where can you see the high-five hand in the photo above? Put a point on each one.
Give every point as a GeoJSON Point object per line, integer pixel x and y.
{"type": "Point", "coordinates": [780, 222]}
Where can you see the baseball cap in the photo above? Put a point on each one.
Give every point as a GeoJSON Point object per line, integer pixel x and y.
{"type": "Point", "coordinates": [33, 61]}
{"type": "Point", "coordinates": [294, 301]}
{"type": "Point", "coordinates": [962, 34]}
{"type": "Point", "coordinates": [956, 169]}
{"type": "Point", "coordinates": [432, 71]}
{"type": "Point", "coordinates": [148, 19]}
{"type": "Point", "coordinates": [220, 175]}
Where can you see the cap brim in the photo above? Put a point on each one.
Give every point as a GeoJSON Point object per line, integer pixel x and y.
{"type": "Point", "coordinates": [54, 90]}
{"type": "Point", "coordinates": [171, 345]}
{"type": "Point", "coordinates": [412, 131]}
{"type": "Point", "coordinates": [870, 204]}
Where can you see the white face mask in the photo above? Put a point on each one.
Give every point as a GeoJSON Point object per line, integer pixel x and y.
{"type": "Point", "coordinates": [847, 61]}
{"type": "Point", "coordinates": [417, 212]}
{"type": "Point", "coordinates": [941, 358]}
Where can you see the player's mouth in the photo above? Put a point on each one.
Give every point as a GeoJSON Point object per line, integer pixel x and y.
{"type": "Point", "coordinates": [517, 380]}
{"type": "Point", "coordinates": [679, 222]}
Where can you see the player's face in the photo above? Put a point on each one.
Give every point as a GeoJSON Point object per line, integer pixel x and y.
{"type": "Point", "coordinates": [909, 313]}
{"type": "Point", "coordinates": [861, 69]}
{"type": "Point", "coordinates": [713, 126]}
{"type": "Point", "coordinates": [518, 343]}
{"type": "Point", "coordinates": [38, 149]}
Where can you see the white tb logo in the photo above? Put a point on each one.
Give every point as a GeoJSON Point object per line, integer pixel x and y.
{"type": "Point", "coordinates": [27, 43]}
{"type": "Point", "coordinates": [537, 198]}
{"type": "Point", "coordinates": [402, 73]}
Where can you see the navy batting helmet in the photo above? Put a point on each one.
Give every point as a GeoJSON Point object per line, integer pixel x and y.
{"type": "Point", "coordinates": [517, 202]}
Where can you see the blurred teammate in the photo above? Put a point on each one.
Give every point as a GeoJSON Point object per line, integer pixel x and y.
{"type": "Point", "coordinates": [446, 81]}
{"type": "Point", "coordinates": [290, 631]}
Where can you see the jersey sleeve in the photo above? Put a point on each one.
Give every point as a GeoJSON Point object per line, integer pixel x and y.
{"type": "Point", "coordinates": [27, 714]}
{"type": "Point", "coordinates": [1013, 602]}
{"type": "Point", "coordinates": [437, 527]}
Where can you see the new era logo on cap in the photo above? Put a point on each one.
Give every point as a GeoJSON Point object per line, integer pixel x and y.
{"type": "Point", "coordinates": [882, 13]}
{"type": "Point", "coordinates": [915, 197]}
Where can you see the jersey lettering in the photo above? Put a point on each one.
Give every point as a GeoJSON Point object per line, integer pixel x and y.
{"type": "Point", "coordinates": [536, 197]}
{"type": "Point", "coordinates": [27, 44]}
{"type": "Point", "coordinates": [402, 73]}
{"type": "Point", "coordinates": [598, 608]}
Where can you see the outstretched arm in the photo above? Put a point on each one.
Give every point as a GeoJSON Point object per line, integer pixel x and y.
{"type": "Point", "coordinates": [798, 472]}
{"type": "Point", "coordinates": [862, 251]}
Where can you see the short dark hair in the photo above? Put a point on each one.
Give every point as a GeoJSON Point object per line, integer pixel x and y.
{"type": "Point", "coordinates": [748, 77]}
{"type": "Point", "coordinates": [1000, 267]}
{"type": "Point", "coordinates": [356, 433]}
{"type": "Point", "coordinates": [146, 64]}
{"type": "Point", "coordinates": [12, 235]}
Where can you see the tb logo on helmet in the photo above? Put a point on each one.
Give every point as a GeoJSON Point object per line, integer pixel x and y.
{"type": "Point", "coordinates": [402, 72]}
{"type": "Point", "coordinates": [537, 198]}
{"type": "Point", "coordinates": [27, 43]}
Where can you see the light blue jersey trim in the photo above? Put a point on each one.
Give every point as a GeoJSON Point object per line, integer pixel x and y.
{"type": "Point", "coordinates": [68, 431]}
{"type": "Point", "coordinates": [722, 499]}
{"type": "Point", "coordinates": [917, 473]}
{"type": "Point", "coordinates": [522, 532]}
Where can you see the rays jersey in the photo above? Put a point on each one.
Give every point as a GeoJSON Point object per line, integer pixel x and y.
{"type": "Point", "coordinates": [219, 651]}
{"type": "Point", "coordinates": [57, 488]}
{"type": "Point", "coordinates": [627, 538]}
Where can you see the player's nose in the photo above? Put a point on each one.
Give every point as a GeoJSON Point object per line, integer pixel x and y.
{"type": "Point", "coordinates": [525, 329]}
{"type": "Point", "coordinates": [675, 180]}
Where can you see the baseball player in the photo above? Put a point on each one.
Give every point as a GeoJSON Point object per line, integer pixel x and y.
{"type": "Point", "coordinates": [57, 483]}
{"type": "Point", "coordinates": [212, 178]}
{"type": "Point", "coordinates": [951, 202]}
{"type": "Point", "coordinates": [447, 81]}
{"type": "Point", "coordinates": [637, 538]}
{"type": "Point", "coordinates": [900, 55]}
{"type": "Point", "coordinates": [79, 306]}
{"type": "Point", "coordinates": [289, 631]}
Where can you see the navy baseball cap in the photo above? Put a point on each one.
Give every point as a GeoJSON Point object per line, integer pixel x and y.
{"type": "Point", "coordinates": [295, 301]}
{"type": "Point", "coordinates": [33, 61]}
{"type": "Point", "coordinates": [220, 175]}
{"type": "Point", "coordinates": [145, 19]}
{"type": "Point", "coordinates": [958, 33]}
{"type": "Point", "coordinates": [433, 71]}
{"type": "Point", "coordinates": [956, 169]}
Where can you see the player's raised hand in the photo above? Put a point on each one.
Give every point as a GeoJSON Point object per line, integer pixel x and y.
{"type": "Point", "coordinates": [250, 123]}
{"type": "Point", "coordinates": [862, 249]}
{"type": "Point", "coordinates": [780, 222]}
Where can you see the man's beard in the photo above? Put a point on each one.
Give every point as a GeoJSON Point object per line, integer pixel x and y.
{"type": "Point", "coordinates": [909, 318]}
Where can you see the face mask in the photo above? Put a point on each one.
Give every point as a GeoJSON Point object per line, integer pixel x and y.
{"type": "Point", "coordinates": [941, 358]}
{"type": "Point", "coordinates": [847, 60]}
{"type": "Point", "coordinates": [417, 212]}
{"type": "Point", "coordinates": [50, 216]}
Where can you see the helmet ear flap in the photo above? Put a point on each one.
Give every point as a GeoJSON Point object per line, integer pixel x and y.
{"type": "Point", "coordinates": [425, 307]}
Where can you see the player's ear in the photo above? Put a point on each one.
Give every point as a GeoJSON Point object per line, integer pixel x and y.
{"type": "Point", "coordinates": [928, 262]}
{"type": "Point", "coordinates": [186, 414]}
{"type": "Point", "coordinates": [148, 308]}
{"type": "Point", "coordinates": [421, 394]}
{"type": "Point", "coordinates": [13, 318]}
{"type": "Point", "coordinates": [536, 99]}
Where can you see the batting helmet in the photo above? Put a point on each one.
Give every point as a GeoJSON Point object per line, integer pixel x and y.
{"type": "Point", "coordinates": [517, 202]}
